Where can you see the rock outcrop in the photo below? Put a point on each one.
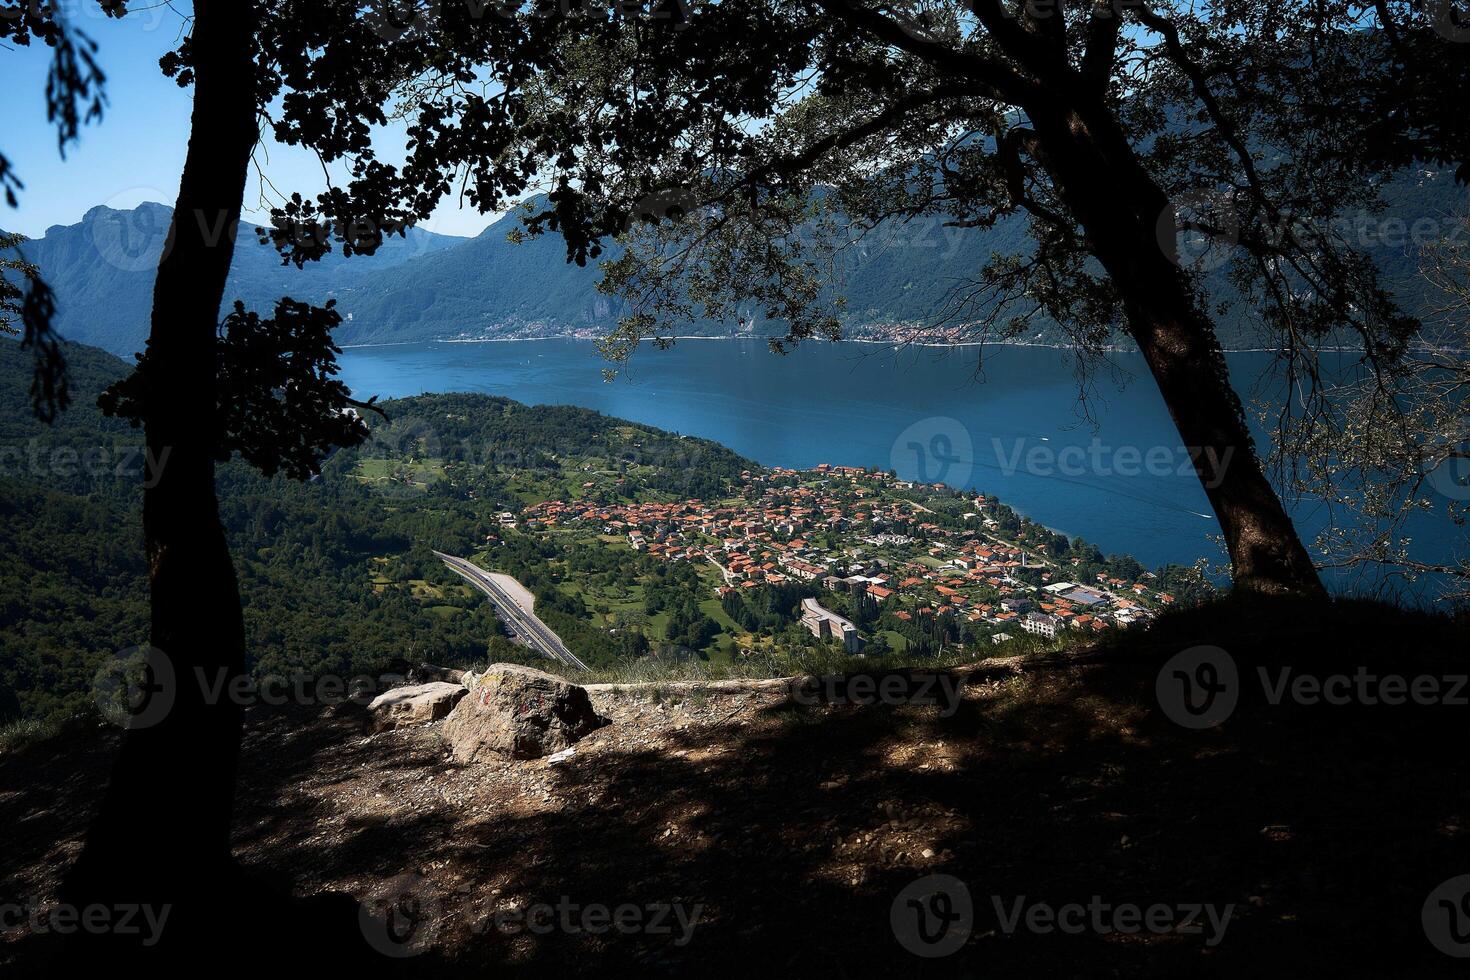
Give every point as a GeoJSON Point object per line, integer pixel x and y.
{"type": "Point", "coordinates": [414, 704]}
{"type": "Point", "coordinates": [518, 712]}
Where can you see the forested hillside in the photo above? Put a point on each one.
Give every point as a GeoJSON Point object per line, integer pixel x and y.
{"type": "Point", "coordinates": [337, 574]}
{"type": "Point", "coordinates": [499, 447]}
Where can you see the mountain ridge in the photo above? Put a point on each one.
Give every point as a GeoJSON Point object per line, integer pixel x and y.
{"type": "Point", "coordinates": [102, 270]}
{"type": "Point", "coordinates": [429, 287]}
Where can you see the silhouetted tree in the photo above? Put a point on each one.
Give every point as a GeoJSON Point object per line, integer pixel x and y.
{"type": "Point", "coordinates": [321, 75]}
{"type": "Point", "coordinates": [261, 387]}
{"type": "Point", "coordinates": [204, 389]}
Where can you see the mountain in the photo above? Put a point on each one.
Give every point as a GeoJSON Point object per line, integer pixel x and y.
{"type": "Point", "coordinates": [102, 270]}
{"type": "Point", "coordinates": [435, 287]}
{"type": "Point", "coordinates": [488, 286]}
{"type": "Point", "coordinates": [482, 286]}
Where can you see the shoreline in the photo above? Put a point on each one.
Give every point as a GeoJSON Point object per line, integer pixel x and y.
{"type": "Point", "coordinates": [1153, 534]}
{"type": "Point", "coordinates": [851, 340]}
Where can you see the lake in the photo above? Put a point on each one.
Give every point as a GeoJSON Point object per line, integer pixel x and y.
{"type": "Point", "coordinates": [1013, 426]}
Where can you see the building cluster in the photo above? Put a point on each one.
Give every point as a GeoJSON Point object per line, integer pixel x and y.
{"type": "Point", "coordinates": [846, 529]}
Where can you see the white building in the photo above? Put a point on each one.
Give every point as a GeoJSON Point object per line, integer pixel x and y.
{"type": "Point", "coordinates": [1040, 624]}
{"type": "Point", "coordinates": [824, 623]}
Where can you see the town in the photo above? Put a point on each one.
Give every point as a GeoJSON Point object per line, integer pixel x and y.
{"type": "Point", "coordinates": [876, 550]}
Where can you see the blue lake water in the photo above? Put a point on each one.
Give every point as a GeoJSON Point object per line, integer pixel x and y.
{"type": "Point", "coordinates": [1012, 426]}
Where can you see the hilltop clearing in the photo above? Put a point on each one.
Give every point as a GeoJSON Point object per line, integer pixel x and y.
{"type": "Point", "coordinates": [784, 831]}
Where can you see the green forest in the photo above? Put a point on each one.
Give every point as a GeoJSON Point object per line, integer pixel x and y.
{"type": "Point", "coordinates": [336, 574]}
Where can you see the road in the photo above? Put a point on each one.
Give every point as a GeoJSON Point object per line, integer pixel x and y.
{"type": "Point", "coordinates": [521, 622]}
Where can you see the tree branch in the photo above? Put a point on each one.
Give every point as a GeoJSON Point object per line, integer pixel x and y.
{"type": "Point", "coordinates": [998, 81]}
{"type": "Point", "coordinates": [1102, 44]}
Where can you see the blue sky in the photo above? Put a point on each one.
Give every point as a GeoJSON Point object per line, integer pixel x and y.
{"type": "Point", "coordinates": [136, 151]}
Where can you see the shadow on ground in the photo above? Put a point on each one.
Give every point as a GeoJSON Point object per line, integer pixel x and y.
{"type": "Point", "coordinates": [785, 832]}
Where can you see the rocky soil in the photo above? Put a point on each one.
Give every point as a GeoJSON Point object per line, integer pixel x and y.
{"type": "Point", "coordinates": [776, 836]}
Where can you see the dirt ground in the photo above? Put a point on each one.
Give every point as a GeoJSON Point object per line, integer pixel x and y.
{"type": "Point", "coordinates": [741, 832]}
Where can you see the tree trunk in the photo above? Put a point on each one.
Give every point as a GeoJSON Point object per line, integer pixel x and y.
{"type": "Point", "coordinates": [163, 832]}
{"type": "Point", "coordinates": [1184, 355]}
{"type": "Point", "coordinates": [1119, 207]}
